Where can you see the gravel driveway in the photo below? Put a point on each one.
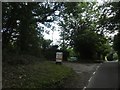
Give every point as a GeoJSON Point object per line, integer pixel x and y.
{"type": "Point", "coordinates": [83, 72]}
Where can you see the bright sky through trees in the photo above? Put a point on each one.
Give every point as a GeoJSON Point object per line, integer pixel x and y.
{"type": "Point", "coordinates": [54, 34]}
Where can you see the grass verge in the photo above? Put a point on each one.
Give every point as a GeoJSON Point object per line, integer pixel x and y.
{"type": "Point", "coordinates": [44, 74]}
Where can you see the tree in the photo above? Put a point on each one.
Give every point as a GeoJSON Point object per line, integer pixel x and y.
{"type": "Point", "coordinates": [117, 44]}
{"type": "Point", "coordinates": [80, 30]}
{"type": "Point", "coordinates": [46, 44]}
{"type": "Point", "coordinates": [111, 24]}
{"type": "Point", "coordinates": [116, 24]}
{"type": "Point", "coordinates": [21, 31]}
{"type": "Point", "coordinates": [19, 26]}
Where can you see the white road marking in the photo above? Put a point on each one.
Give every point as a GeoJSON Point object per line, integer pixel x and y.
{"type": "Point", "coordinates": [90, 79]}
{"type": "Point", "coordinates": [98, 67]}
{"type": "Point", "coordinates": [94, 73]}
{"type": "Point", "coordinates": [84, 88]}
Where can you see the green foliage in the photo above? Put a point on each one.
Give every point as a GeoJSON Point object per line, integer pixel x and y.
{"type": "Point", "coordinates": [84, 24]}
{"type": "Point", "coordinates": [85, 44]}
{"type": "Point", "coordinates": [37, 75]}
{"type": "Point", "coordinates": [115, 56]}
{"type": "Point", "coordinates": [112, 22]}
{"type": "Point", "coordinates": [50, 53]}
{"type": "Point", "coordinates": [21, 32]}
{"type": "Point", "coordinates": [80, 30]}
{"type": "Point", "coordinates": [88, 44]}
{"type": "Point", "coordinates": [71, 52]}
{"type": "Point", "coordinates": [46, 44]}
{"type": "Point", "coordinates": [116, 44]}
{"type": "Point", "coordinates": [19, 59]}
{"type": "Point", "coordinates": [110, 57]}
{"type": "Point", "coordinates": [65, 55]}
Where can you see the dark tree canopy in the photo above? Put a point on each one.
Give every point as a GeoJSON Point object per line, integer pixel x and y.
{"type": "Point", "coordinates": [112, 23]}
{"type": "Point", "coordinates": [81, 30]}
{"type": "Point", "coordinates": [20, 23]}
{"type": "Point", "coordinates": [84, 26]}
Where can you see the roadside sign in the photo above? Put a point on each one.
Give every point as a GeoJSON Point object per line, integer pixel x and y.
{"type": "Point", "coordinates": [59, 56]}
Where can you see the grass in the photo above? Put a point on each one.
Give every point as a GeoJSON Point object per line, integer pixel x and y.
{"type": "Point", "coordinates": [43, 74]}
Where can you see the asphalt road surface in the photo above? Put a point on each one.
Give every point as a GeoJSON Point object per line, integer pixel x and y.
{"type": "Point", "coordinates": [106, 76]}
{"type": "Point", "coordinates": [83, 72]}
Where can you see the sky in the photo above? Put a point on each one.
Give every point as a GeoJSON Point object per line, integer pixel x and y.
{"type": "Point", "coordinates": [54, 35]}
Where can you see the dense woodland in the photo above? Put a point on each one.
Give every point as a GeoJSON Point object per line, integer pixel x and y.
{"type": "Point", "coordinates": [84, 29]}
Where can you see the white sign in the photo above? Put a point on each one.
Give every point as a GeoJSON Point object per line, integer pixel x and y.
{"type": "Point", "coordinates": [59, 56]}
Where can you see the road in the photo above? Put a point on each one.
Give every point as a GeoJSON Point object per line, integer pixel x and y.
{"type": "Point", "coordinates": [83, 73]}
{"type": "Point", "coordinates": [106, 76]}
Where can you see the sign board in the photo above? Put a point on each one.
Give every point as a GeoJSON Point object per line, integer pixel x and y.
{"type": "Point", "coordinates": [59, 56]}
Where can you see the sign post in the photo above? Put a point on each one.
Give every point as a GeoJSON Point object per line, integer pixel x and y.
{"type": "Point", "coordinates": [59, 57]}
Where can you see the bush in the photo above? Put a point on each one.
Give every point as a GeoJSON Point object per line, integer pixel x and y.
{"type": "Point", "coordinates": [50, 53]}
{"type": "Point", "coordinates": [65, 55]}
{"type": "Point", "coordinates": [110, 57]}
{"type": "Point", "coordinates": [13, 59]}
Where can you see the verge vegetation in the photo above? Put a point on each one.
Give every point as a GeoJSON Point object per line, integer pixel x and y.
{"type": "Point", "coordinates": [43, 74]}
